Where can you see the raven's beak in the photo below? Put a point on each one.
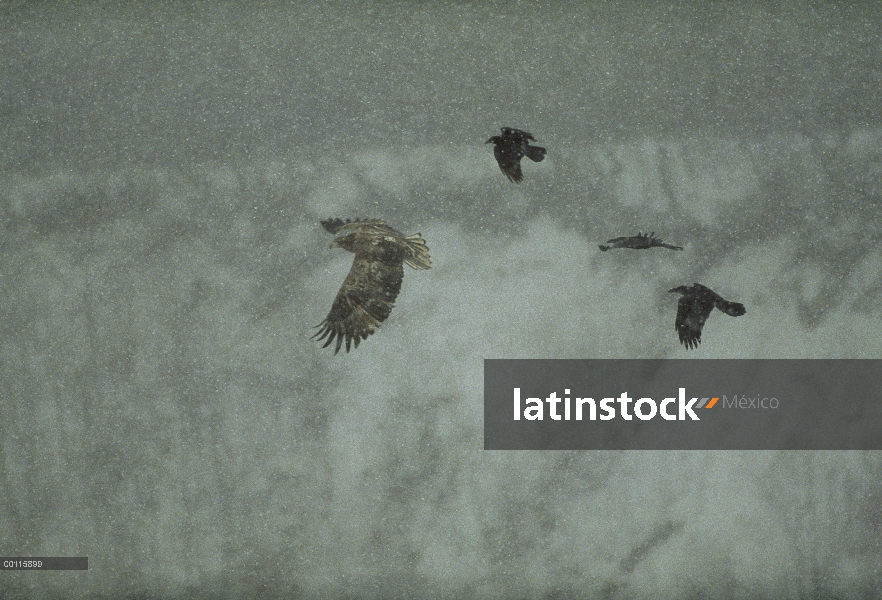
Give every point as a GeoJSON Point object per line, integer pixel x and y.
{"type": "Point", "coordinates": [489, 141]}
{"type": "Point", "coordinates": [675, 290]}
{"type": "Point", "coordinates": [334, 244]}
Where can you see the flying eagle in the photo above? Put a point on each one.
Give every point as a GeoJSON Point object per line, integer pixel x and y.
{"type": "Point", "coordinates": [641, 241]}
{"type": "Point", "coordinates": [369, 291]}
{"type": "Point", "coordinates": [510, 147]}
{"type": "Point", "coordinates": [695, 307]}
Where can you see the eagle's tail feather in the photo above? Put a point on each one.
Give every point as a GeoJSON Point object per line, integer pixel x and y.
{"type": "Point", "coordinates": [419, 252]}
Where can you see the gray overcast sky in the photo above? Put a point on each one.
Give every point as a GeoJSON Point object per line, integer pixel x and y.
{"type": "Point", "coordinates": [164, 412]}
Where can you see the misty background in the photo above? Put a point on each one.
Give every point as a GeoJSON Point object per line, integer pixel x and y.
{"type": "Point", "coordinates": [163, 171]}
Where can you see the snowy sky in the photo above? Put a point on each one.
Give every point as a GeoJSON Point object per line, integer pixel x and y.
{"type": "Point", "coordinates": [165, 413]}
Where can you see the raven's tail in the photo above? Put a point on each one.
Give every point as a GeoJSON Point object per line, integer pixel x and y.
{"type": "Point", "coordinates": [535, 153]}
{"type": "Point", "coordinates": [733, 309]}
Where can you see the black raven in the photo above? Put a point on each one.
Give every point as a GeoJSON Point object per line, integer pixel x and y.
{"type": "Point", "coordinates": [510, 147]}
{"type": "Point", "coordinates": [695, 307]}
{"type": "Point", "coordinates": [641, 241]}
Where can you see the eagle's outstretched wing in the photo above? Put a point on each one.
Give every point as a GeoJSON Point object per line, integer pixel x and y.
{"type": "Point", "coordinates": [364, 301]}
{"type": "Point", "coordinates": [364, 226]}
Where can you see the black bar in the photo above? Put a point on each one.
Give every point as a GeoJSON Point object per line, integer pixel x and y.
{"type": "Point", "coordinates": [44, 563]}
{"type": "Point", "coordinates": [753, 404]}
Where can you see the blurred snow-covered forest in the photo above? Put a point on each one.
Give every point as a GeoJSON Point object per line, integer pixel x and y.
{"type": "Point", "coordinates": [163, 170]}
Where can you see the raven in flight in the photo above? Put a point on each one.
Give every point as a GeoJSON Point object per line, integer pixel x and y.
{"type": "Point", "coordinates": [641, 241]}
{"type": "Point", "coordinates": [695, 307]}
{"type": "Point", "coordinates": [510, 147]}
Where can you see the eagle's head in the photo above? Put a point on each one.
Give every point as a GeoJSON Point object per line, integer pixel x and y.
{"type": "Point", "coordinates": [347, 242]}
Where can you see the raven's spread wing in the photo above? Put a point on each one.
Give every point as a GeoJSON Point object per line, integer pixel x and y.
{"type": "Point", "coordinates": [692, 312]}
{"type": "Point", "coordinates": [660, 244]}
{"type": "Point", "coordinates": [508, 156]}
{"type": "Point", "coordinates": [656, 242]}
{"type": "Point", "coordinates": [517, 135]}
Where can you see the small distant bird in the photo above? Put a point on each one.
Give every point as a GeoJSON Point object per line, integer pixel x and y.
{"type": "Point", "coordinates": [369, 291]}
{"type": "Point", "coordinates": [510, 147]}
{"type": "Point", "coordinates": [695, 307]}
{"type": "Point", "coordinates": [641, 241]}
